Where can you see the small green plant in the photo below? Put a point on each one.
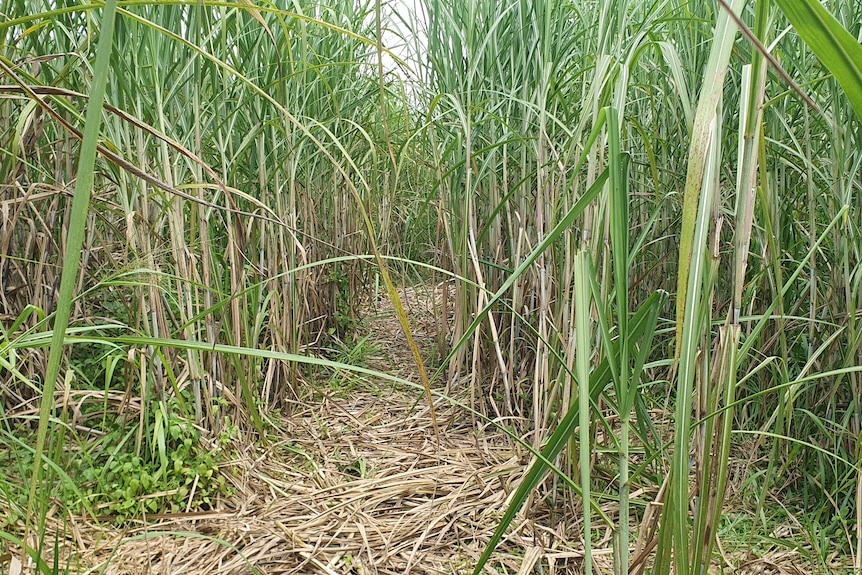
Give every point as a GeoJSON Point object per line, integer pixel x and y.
{"type": "Point", "coordinates": [354, 353]}
{"type": "Point", "coordinates": [358, 468]}
{"type": "Point", "coordinates": [175, 472]}
{"type": "Point", "coordinates": [343, 319]}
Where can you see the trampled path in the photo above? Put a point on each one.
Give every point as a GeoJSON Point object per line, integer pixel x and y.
{"type": "Point", "coordinates": [359, 486]}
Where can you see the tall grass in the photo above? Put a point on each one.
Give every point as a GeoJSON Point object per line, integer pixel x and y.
{"type": "Point", "coordinates": [518, 83]}
{"type": "Point", "coordinates": [652, 220]}
{"type": "Point", "coordinates": [227, 194]}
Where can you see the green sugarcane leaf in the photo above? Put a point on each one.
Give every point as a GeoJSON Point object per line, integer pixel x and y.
{"type": "Point", "coordinates": [74, 240]}
{"type": "Point", "coordinates": [831, 43]}
{"type": "Point", "coordinates": [642, 321]}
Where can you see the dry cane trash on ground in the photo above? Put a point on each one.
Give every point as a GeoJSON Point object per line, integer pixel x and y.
{"type": "Point", "coordinates": [362, 489]}
{"type": "Point", "coordinates": [359, 486]}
